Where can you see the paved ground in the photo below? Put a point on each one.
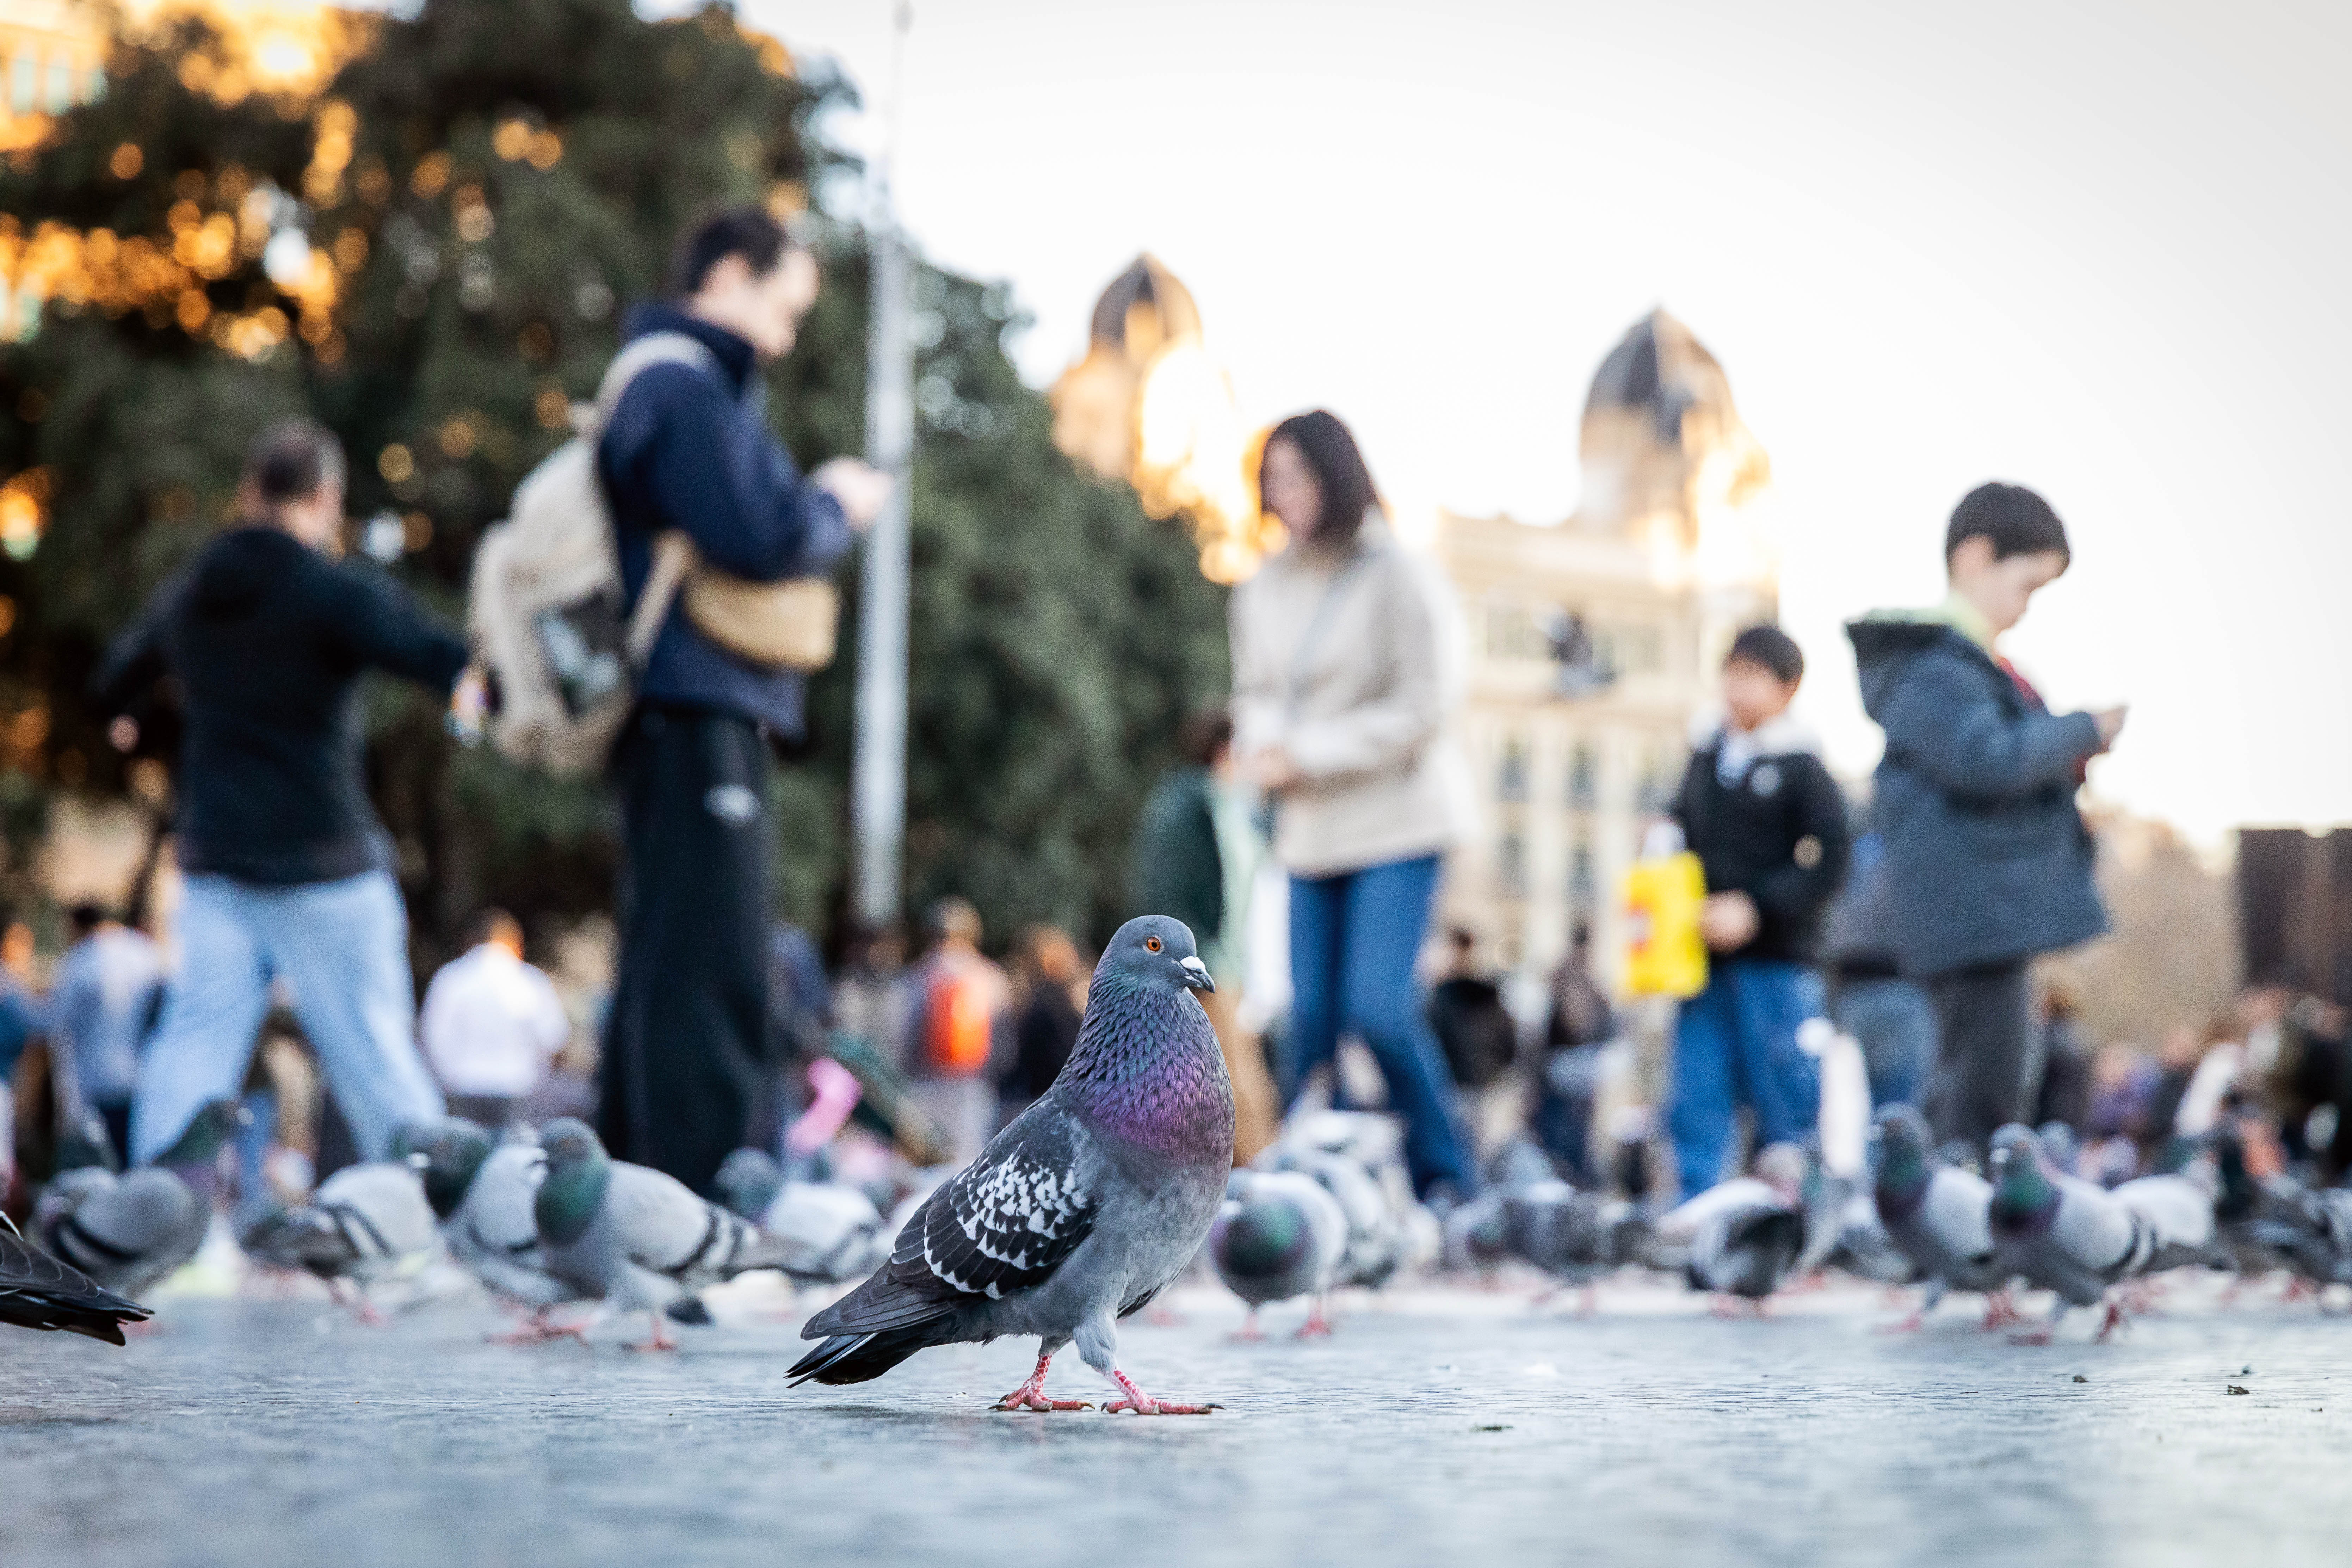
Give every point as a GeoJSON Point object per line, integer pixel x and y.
{"type": "Point", "coordinates": [1440, 1425]}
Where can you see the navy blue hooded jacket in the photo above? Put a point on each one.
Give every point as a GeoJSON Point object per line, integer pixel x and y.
{"type": "Point", "coordinates": [688, 451]}
{"type": "Point", "coordinates": [1987, 858]}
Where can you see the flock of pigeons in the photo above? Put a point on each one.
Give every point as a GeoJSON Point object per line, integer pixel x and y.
{"type": "Point", "coordinates": [1114, 1185]}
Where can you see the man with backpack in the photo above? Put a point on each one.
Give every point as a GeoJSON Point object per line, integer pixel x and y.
{"type": "Point", "coordinates": [685, 452]}
{"type": "Point", "coordinates": [955, 1010]}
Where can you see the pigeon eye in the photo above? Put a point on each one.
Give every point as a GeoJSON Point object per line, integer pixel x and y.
{"type": "Point", "coordinates": [1152, 944]}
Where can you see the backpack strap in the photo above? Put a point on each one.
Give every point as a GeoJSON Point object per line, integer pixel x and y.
{"type": "Point", "coordinates": [674, 553]}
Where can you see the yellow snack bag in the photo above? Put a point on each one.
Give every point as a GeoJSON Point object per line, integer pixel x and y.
{"type": "Point", "coordinates": [1667, 956]}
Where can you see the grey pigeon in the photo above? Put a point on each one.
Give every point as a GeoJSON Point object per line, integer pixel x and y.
{"type": "Point", "coordinates": [129, 1231]}
{"type": "Point", "coordinates": [820, 1232]}
{"type": "Point", "coordinates": [1937, 1216]}
{"type": "Point", "coordinates": [1082, 1209]}
{"type": "Point", "coordinates": [36, 1292]}
{"type": "Point", "coordinates": [1577, 1238]}
{"type": "Point", "coordinates": [2077, 1239]}
{"type": "Point", "coordinates": [635, 1239]}
{"type": "Point", "coordinates": [1376, 1243]}
{"type": "Point", "coordinates": [1279, 1234]}
{"type": "Point", "coordinates": [1746, 1233]}
{"type": "Point", "coordinates": [365, 1224]}
{"type": "Point", "coordinates": [482, 1190]}
{"type": "Point", "coordinates": [1475, 1237]}
{"type": "Point", "coordinates": [2269, 1223]}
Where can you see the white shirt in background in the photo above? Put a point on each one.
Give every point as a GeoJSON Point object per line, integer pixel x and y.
{"type": "Point", "coordinates": [492, 1023]}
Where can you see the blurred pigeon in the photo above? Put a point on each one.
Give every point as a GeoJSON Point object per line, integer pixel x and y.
{"type": "Point", "coordinates": [364, 1224]}
{"type": "Point", "coordinates": [1476, 1235]}
{"type": "Point", "coordinates": [482, 1189]}
{"type": "Point", "coordinates": [1375, 1240]}
{"type": "Point", "coordinates": [2065, 1150]}
{"type": "Point", "coordinates": [634, 1238]}
{"type": "Point", "coordinates": [2269, 1223]}
{"type": "Point", "coordinates": [1746, 1233]}
{"type": "Point", "coordinates": [129, 1231]}
{"type": "Point", "coordinates": [822, 1232]}
{"type": "Point", "coordinates": [1278, 1236]}
{"type": "Point", "coordinates": [1937, 1216]}
{"type": "Point", "coordinates": [36, 1292]}
{"type": "Point", "coordinates": [1574, 1237]}
{"type": "Point", "coordinates": [1372, 1140]}
{"type": "Point", "coordinates": [1082, 1209]}
{"type": "Point", "coordinates": [2077, 1239]}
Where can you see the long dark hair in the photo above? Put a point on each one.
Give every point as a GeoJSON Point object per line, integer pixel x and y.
{"type": "Point", "coordinates": [1347, 485]}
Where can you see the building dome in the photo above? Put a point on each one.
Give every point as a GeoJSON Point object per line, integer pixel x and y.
{"type": "Point", "coordinates": [1662, 441]}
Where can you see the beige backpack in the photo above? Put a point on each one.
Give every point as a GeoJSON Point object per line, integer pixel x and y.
{"type": "Point", "coordinates": [545, 604]}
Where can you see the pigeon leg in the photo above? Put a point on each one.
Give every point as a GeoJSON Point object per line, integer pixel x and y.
{"type": "Point", "coordinates": [2000, 1311]}
{"type": "Point", "coordinates": [1030, 1396]}
{"type": "Point", "coordinates": [2048, 1331]}
{"type": "Point", "coordinates": [1319, 1322]}
{"type": "Point", "coordinates": [1588, 1304]}
{"type": "Point", "coordinates": [662, 1341]}
{"type": "Point", "coordinates": [2114, 1320]}
{"type": "Point", "coordinates": [1143, 1404]}
{"type": "Point", "coordinates": [353, 1299]}
{"type": "Point", "coordinates": [536, 1329]}
{"type": "Point", "coordinates": [1249, 1332]}
{"type": "Point", "coordinates": [1930, 1299]}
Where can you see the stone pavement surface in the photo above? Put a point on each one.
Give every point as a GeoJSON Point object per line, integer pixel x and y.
{"type": "Point", "coordinates": [1440, 1425]}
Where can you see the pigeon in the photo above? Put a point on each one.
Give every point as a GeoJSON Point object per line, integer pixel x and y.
{"type": "Point", "coordinates": [1937, 1216]}
{"type": "Point", "coordinates": [1279, 1234]}
{"type": "Point", "coordinates": [365, 1224]}
{"type": "Point", "coordinates": [129, 1231]}
{"type": "Point", "coordinates": [631, 1237]}
{"type": "Point", "coordinates": [482, 1189]}
{"type": "Point", "coordinates": [1575, 1237]}
{"type": "Point", "coordinates": [2269, 1223]}
{"type": "Point", "coordinates": [824, 1232]}
{"type": "Point", "coordinates": [2077, 1239]}
{"type": "Point", "coordinates": [1745, 1235]}
{"type": "Point", "coordinates": [36, 1292]}
{"type": "Point", "coordinates": [1375, 1241]}
{"type": "Point", "coordinates": [1475, 1237]}
{"type": "Point", "coordinates": [1081, 1210]}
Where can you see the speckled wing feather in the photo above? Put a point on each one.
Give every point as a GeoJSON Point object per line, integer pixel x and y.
{"type": "Point", "coordinates": [1003, 1225]}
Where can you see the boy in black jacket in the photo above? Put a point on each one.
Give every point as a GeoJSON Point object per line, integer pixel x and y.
{"type": "Point", "coordinates": [1769, 826]}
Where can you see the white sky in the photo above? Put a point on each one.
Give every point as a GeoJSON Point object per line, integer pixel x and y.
{"type": "Point", "coordinates": [2096, 249]}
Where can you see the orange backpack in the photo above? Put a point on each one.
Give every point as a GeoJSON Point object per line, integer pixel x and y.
{"type": "Point", "coordinates": [957, 1023]}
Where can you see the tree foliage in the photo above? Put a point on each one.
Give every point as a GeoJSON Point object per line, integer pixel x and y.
{"type": "Point", "coordinates": [434, 254]}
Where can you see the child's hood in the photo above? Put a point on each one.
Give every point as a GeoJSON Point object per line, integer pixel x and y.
{"type": "Point", "coordinates": [1886, 641]}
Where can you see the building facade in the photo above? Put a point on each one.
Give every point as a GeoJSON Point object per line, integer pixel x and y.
{"type": "Point", "coordinates": [1593, 644]}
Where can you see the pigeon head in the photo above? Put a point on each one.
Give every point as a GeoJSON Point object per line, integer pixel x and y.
{"type": "Point", "coordinates": [1785, 1168]}
{"type": "Point", "coordinates": [2023, 1192]}
{"type": "Point", "coordinates": [84, 1145]}
{"type": "Point", "coordinates": [452, 1154]}
{"type": "Point", "coordinates": [578, 1171]}
{"type": "Point", "coordinates": [1262, 1238]}
{"type": "Point", "coordinates": [750, 1180]}
{"type": "Point", "coordinates": [1155, 951]}
{"type": "Point", "coordinates": [211, 1126]}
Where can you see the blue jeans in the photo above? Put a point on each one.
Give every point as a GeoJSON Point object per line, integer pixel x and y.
{"type": "Point", "coordinates": [1736, 1041]}
{"type": "Point", "coordinates": [342, 947]}
{"type": "Point", "coordinates": [1354, 938]}
{"type": "Point", "coordinates": [1895, 1024]}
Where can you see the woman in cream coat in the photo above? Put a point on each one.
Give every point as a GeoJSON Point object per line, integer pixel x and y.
{"type": "Point", "coordinates": [1339, 704]}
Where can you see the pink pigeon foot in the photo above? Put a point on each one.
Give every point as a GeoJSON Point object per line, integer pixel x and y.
{"type": "Point", "coordinates": [1249, 1333]}
{"type": "Point", "coordinates": [2000, 1311]}
{"type": "Point", "coordinates": [1317, 1325]}
{"type": "Point", "coordinates": [1030, 1396]}
{"type": "Point", "coordinates": [2114, 1321]}
{"type": "Point", "coordinates": [1142, 1403]}
{"type": "Point", "coordinates": [662, 1339]}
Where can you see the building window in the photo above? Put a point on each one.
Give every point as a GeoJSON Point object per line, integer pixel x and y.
{"type": "Point", "coordinates": [1511, 865]}
{"type": "Point", "coordinates": [1583, 777]}
{"type": "Point", "coordinates": [1511, 775]}
{"type": "Point", "coordinates": [24, 83]}
{"type": "Point", "coordinates": [61, 84]}
{"type": "Point", "coordinates": [1657, 787]}
{"type": "Point", "coordinates": [94, 85]}
{"type": "Point", "coordinates": [1631, 649]}
{"type": "Point", "coordinates": [1583, 887]}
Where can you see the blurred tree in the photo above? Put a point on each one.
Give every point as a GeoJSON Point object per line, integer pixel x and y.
{"type": "Point", "coordinates": [432, 253]}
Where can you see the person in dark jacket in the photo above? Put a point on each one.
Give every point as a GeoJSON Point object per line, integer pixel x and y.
{"type": "Point", "coordinates": [688, 448]}
{"type": "Point", "coordinates": [1988, 860]}
{"type": "Point", "coordinates": [288, 870]}
{"type": "Point", "coordinates": [1768, 827]}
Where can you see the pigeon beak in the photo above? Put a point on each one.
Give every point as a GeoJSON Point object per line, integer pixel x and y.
{"type": "Point", "coordinates": [1196, 974]}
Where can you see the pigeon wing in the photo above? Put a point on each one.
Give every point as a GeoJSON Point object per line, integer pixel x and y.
{"type": "Point", "coordinates": [664, 1227]}
{"type": "Point", "coordinates": [1003, 1223]}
